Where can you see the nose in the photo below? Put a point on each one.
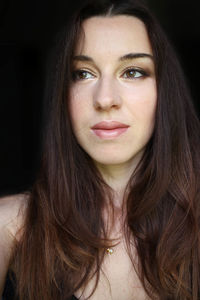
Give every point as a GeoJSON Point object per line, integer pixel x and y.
{"type": "Point", "coordinates": [106, 95]}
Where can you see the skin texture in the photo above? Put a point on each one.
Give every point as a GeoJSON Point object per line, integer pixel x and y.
{"type": "Point", "coordinates": [12, 212]}
{"type": "Point", "coordinates": [106, 90]}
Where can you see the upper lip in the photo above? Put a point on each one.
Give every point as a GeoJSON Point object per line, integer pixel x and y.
{"type": "Point", "coordinates": [109, 125]}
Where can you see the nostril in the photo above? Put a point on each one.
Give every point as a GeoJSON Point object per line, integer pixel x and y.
{"type": "Point", "coordinates": [107, 102]}
{"type": "Point", "coordinates": [103, 105]}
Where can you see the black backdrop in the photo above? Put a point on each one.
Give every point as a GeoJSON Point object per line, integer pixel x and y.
{"type": "Point", "coordinates": [27, 30]}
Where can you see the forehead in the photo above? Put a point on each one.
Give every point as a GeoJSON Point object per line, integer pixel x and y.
{"type": "Point", "coordinates": [113, 35]}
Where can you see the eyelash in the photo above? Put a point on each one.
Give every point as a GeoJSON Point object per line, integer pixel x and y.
{"type": "Point", "coordinates": [79, 71]}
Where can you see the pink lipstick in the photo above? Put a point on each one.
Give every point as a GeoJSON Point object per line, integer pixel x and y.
{"type": "Point", "coordinates": [109, 129]}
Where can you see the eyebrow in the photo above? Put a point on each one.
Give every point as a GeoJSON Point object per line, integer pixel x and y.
{"type": "Point", "coordinates": [125, 57]}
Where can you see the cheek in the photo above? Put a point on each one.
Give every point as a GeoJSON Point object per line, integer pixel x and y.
{"type": "Point", "coordinates": [144, 111]}
{"type": "Point", "coordinates": [73, 108]}
{"type": "Point", "coordinates": [79, 108]}
{"type": "Point", "coordinates": [142, 104]}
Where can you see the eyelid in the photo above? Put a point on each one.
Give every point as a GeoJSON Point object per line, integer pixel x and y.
{"type": "Point", "coordinates": [76, 71]}
{"type": "Point", "coordinates": [143, 72]}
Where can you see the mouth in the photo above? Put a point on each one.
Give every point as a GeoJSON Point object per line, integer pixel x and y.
{"type": "Point", "coordinates": [109, 129]}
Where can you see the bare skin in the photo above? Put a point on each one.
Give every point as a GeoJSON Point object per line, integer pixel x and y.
{"type": "Point", "coordinates": [110, 95]}
{"type": "Point", "coordinates": [104, 92]}
{"type": "Point", "coordinates": [12, 211]}
{"type": "Point", "coordinates": [118, 279]}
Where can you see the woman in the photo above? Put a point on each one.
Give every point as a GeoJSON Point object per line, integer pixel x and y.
{"type": "Point", "coordinates": [114, 213]}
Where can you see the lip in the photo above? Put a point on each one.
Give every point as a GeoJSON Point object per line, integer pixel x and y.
{"type": "Point", "coordinates": [109, 129]}
{"type": "Point", "coordinates": [108, 125]}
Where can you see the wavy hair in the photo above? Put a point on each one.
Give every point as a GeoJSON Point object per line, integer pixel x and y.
{"type": "Point", "coordinates": [64, 236]}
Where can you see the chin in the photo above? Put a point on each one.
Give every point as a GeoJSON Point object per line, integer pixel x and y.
{"type": "Point", "coordinates": [118, 158]}
{"type": "Point", "coordinates": [107, 160]}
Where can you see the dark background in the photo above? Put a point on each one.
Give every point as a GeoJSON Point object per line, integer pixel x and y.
{"type": "Point", "coordinates": [27, 31]}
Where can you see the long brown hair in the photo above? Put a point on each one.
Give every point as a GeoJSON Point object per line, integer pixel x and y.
{"type": "Point", "coordinates": [64, 233]}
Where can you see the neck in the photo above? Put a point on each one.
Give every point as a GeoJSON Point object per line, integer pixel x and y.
{"type": "Point", "coordinates": [117, 177]}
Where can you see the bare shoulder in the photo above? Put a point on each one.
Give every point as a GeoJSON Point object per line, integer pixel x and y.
{"type": "Point", "coordinates": [12, 213]}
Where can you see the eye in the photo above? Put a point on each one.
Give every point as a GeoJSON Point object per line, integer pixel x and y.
{"type": "Point", "coordinates": [81, 75]}
{"type": "Point", "coordinates": [134, 73]}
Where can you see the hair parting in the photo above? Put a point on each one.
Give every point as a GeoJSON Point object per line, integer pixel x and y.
{"type": "Point", "coordinates": [64, 236]}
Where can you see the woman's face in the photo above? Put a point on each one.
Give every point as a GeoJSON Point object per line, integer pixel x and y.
{"type": "Point", "coordinates": [113, 93]}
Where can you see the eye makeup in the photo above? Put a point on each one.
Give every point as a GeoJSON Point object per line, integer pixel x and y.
{"type": "Point", "coordinates": [132, 67]}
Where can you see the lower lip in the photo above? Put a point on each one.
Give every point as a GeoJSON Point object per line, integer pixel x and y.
{"type": "Point", "coordinates": [109, 133]}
